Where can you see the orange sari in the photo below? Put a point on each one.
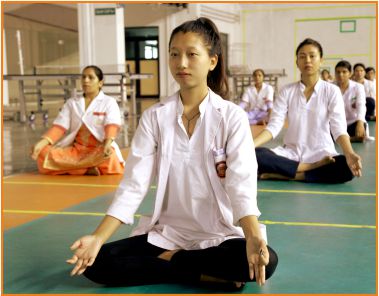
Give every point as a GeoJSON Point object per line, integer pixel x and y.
{"type": "Point", "coordinates": [85, 153]}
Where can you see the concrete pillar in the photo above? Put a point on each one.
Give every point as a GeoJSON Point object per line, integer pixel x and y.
{"type": "Point", "coordinates": [101, 36]}
{"type": "Point", "coordinates": [5, 72]}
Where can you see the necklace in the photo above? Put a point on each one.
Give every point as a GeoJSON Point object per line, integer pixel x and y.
{"type": "Point", "coordinates": [189, 120]}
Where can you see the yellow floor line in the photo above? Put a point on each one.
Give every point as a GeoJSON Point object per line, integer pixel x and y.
{"type": "Point", "coordinates": [268, 222]}
{"type": "Point", "coordinates": [153, 187]}
{"type": "Point", "coordinates": [319, 192]}
{"type": "Point", "coordinates": [317, 224]}
{"type": "Point", "coordinates": [59, 184]}
{"type": "Point", "coordinates": [56, 213]}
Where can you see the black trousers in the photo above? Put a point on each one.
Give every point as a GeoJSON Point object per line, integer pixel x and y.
{"type": "Point", "coordinates": [133, 261]}
{"type": "Point", "coordinates": [351, 128]}
{"type": "Point", "coordinates": [370, 107]}
{"type": "Point", "coordinates": [333, 173]}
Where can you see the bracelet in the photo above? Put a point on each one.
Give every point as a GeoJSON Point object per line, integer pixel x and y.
{"type": "Point", "coordinates": [47, 139]}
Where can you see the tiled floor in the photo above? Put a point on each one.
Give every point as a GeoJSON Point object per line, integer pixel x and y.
{"type": "Point", "coordinates": [325, 234]}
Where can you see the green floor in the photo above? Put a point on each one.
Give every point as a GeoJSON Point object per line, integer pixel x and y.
{"type": "Point", "coordinates": [325, 237]}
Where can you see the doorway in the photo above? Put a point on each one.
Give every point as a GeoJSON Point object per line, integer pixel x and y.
{"type": "Point", "coordinates": [142, 56]}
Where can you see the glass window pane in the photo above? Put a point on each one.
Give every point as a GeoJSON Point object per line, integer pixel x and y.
{"type": "Point", "coordinates": [147, 50]}
{"type": "Point", "coordinates": [130, 50]}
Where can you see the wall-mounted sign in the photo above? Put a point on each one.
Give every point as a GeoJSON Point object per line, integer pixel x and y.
{"type": "Point", "coordinates": [105, 11]}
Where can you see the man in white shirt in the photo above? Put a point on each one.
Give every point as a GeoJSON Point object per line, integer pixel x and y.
{"type": "Point", "coordinates": [354, 98]}
{"type": "Point", "coordinates": [370, 90]}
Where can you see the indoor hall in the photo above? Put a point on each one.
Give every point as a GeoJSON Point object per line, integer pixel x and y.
{"type": "Point", "coordinates": [321, 232]}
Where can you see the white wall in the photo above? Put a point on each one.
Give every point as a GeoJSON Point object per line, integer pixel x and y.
{"type": "Point", "coordinates": [102, 40]}
{"type": "Point", "coordinates": [273, 31]}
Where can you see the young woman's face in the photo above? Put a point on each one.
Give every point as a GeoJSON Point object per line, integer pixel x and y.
{"type": "Point", "coordinates": [258, 77]}
{"type": "Point", "coordinates": [342, 75]}
{"type": "Point", "coordinates": [189, 60]}
{"type": "Point", "coordinates": [309, 60]}
{"type": "Point", "coordinates": [90, 82]}
{"type": "Point", "coordinates": [359, 73]}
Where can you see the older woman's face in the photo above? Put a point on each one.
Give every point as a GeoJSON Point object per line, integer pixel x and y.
{"type": "Point", "coordinates": [90, 82]}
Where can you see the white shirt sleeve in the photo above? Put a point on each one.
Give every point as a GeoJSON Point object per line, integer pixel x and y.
{"type": "Point", "coordinates": [113, 113]}
{"type": "Point", "coordinates": [139, 172]}
{"type": "Point", "coordinates": [361, 102]}
{"type": "Point", "coordinates": [270, 93]}
{"type": "Point", "coordinates": [336, 110]}
{"type": "Point", "coordinates": [278, 113]}
{"type": "Point", "coordinates": [241, 175]}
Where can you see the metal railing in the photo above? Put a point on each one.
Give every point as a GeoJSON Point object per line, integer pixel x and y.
{"type": "Point", "coordinates": [124, 82]}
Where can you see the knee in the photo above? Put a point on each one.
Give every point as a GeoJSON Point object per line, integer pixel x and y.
{"type": "Point", "coordinates": [94, 273]}
{"type": "Point", "coordinates": [270, 268]}
{"type": "Point", "coordinates": [261, 154]}
{"type": "Point", "coordinates": [345, 174]}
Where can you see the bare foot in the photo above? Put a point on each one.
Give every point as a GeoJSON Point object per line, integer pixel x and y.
{"type": "Point", "coordinates": [272, 176]}
{"type": "Point", "coordinates": [357, 139]}
{"type": "Point", "coordinates": [94, 171]}
{"type": "Point", "coordinates": [210, 279]}
{"type": "Point", "coordinates": [167, 255]}
{"type": "Point", "coordinates": [303, 167]}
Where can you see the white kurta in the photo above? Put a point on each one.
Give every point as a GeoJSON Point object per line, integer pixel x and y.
{"type": "Point", "coordinates": [310, 124]}
{"type": "Point", "coordinates": [216, 204]}
{"type": "Point", "coordinates": [259, 99]}
{"type": "Point", "coordinates": [370, 89]}
{"type": "Point", "coordinates": [190, 213]}
{"type": "Point", "coordinates": [355, 102]}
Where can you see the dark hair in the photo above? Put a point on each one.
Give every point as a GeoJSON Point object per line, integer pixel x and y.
{"type": "Point", "coordinates": [370, 69]}
{"type": "Point", "coordinates": [216, 80]}
{"type": "Point", "coordinates": [359, 65]}
{"type": "Point", "coordinates": [99, 74]}
{"type": "Point", "coordinates": [343, 64]}
{"type": "Point", "coordinates": [310, 41]}
{"type": "Point", "coordinates": [259, 70]}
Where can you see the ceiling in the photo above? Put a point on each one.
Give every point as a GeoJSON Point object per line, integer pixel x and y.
{"type": "Point", "coordinates": [65, 15]}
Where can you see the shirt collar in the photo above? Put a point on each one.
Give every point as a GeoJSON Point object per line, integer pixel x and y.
{"type": "Point", "coordinates": [316, 88]}
{"type": "Point", "coordinates": [202, 106]}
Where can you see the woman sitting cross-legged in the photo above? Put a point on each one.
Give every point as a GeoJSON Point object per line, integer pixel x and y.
{"type": "Point", "coordinates": [257, 99]}
{"type": "Point", "coordinates": [81, 140]}
{"type": "Point", "coordinates": [314, 110]}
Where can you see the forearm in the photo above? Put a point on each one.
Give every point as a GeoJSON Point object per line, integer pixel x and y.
{"type": "Point", "coordinates": [262, 138]}
{"type": "Point", "coordinates": [250, 227]}
{"type": "Point", "coordinates": [54, 134]}
{"type": "Point", "coordinates": [111, 131]}
{"type": "Point", "coordinates": [106, 228]}
{"type": "Point", "coordinates": [344, 142]}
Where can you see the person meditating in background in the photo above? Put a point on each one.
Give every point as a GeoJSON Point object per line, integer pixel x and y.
{"type": "Point", "coordinates": [315, 112]}
{"type": "Point", "coordinates": [354, 98]}
{"type": "Point", "coordinates": [81, 140]}
{"type": "Point", "coordinates": [257, 100]}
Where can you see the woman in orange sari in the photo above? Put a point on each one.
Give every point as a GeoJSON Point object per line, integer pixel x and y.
{"type": "Point", "coordinates": [81, 140]}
